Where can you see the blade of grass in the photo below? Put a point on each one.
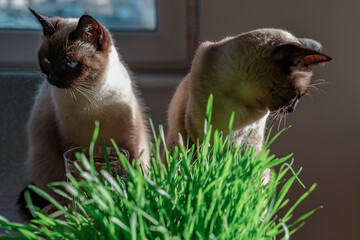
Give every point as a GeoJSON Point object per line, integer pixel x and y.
{"type": "Point", "coordinates": [106, 156]}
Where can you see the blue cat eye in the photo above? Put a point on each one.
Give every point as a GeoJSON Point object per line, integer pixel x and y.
{"type": "Point", "coordinates": [71, 64]}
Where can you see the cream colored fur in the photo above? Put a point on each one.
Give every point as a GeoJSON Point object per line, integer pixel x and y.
{"type": "Point", "coordinates": [243, 77]}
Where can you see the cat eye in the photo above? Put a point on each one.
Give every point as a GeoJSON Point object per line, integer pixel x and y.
{"type": "Point", "coordinates": [71, 64]}
{"type": "Point", "coordinates": [46, 61]}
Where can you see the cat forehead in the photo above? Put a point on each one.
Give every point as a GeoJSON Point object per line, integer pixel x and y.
{"type": "Point", "coordinates": [66, 25]}
{"type": "Point", "coordinates": [55, 42]}
{"type": "Point", "coordinates": [63, 27]}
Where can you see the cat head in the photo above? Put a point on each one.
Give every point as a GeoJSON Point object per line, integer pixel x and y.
{"type": "Point", "coordinates": [290, 63]}
{"type": "Point", "coordinates": [264, 69]}
{"type": "Point", "coordinates": [73, 51]}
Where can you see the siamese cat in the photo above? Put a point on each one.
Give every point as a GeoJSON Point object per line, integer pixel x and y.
{"type": "Point", "coordinates": [85, 81]}
{"type": "Point", "coordinates": [253, 74]}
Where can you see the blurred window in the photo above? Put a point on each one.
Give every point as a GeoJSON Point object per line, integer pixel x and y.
{"type": "Point", "coordinates": [117, 15]}
{"type": "Point", "coordinates": [151, 35]}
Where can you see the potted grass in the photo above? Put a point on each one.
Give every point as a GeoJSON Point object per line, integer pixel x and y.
{"type": "Point", "coordinates": [220, 195]}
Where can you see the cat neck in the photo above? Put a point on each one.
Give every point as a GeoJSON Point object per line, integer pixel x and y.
{"type": "Point", "coordinates": [250, 117]}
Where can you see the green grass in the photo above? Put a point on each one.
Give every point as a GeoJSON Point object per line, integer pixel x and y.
{"type": "Point", "coordinates": [211, 191]}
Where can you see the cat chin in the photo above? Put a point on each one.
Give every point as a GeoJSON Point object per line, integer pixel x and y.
{"type": "Point", "coordinates": [288, 108]}
{"type": "Point", "coordinates": [59, 84]}
{"type": "Point", "coordinates": [61, 87]}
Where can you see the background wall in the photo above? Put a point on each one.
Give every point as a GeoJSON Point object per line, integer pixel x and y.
{"type": "Point", "coordinates": [325, 129]}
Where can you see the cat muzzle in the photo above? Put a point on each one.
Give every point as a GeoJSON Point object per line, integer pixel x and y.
{"type": "Point", "coordinates": [52, 80]}
{"type": "Point", "coordinates": [55, 81]}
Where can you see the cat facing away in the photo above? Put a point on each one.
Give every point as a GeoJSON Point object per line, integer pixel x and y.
{"type": "Point", "coordinates": [86, 81]}
{"type": "Point", "coordinates": [254, 74]}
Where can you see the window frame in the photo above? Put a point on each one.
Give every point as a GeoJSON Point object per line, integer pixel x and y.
{"type": "Point", "coordinates": [165, 48]}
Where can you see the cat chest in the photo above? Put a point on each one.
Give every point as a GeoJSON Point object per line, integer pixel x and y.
{"type": "Point", "coordinates": [77, 129]}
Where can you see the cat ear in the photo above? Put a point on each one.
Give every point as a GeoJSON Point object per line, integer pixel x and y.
{"type": "Point", "coordinates": [88, 30]}
{"type": "Point", "coordinates": [306, 55]}
{"type": "Point", "coordinates": [45, 21]}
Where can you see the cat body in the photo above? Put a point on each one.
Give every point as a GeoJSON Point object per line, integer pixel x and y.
{"type": "Point", "coordinates": [253, 74]}
{"type": "Point", "coordinates": [86, 82]}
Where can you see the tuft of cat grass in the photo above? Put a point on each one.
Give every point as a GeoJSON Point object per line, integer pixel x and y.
{"type": "Point", "coordinates": [213, 191]}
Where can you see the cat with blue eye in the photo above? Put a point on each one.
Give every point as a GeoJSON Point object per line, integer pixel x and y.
{"type": "Point", "coordinates": [85, 81]}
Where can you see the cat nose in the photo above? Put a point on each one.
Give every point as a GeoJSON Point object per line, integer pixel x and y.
{"type": "Point", "coordinates": [292, 106]}
{"type": "Point", "coordinates": [52, 79]}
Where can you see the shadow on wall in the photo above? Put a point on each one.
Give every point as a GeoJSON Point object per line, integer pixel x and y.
{"type": "Point", "coordinates": [17, 91]}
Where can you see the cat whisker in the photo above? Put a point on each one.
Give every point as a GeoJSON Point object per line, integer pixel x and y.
{"type": "Point", "coordinates": [314, 86]}
{"type": "Point", "coordinates": [285, 116]}
{"type": "Point", "coordinates": [85, 89]}
{"type": "Point", "coordinates": [68, 91]}
{"type": "Point", "coordinates": [275, 115]}
{"type": "Point", "coordinates": [84, 84]}
{"type": "Point", "coordinates": [278, 115]}
{"type": "Point", "coordinates": [89, 93]}
{"type": "Point", "coordinates": [279, 122]}
{"type": "Point", "coordinates": [320, 82]}
{"type": "Point", "coordinates": [315, 89]}
{"type": "Point", "coordinates": [272, 120]}
{"type": "Point", "coordinates": [309, 93]}
{"type": "Point", "coordinates": [72, 93]}
{"type": "Point", "coordinates": [85, 95]}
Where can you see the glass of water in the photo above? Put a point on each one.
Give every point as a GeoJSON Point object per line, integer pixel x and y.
{"type": "Point", "coordinates": [99, 160]}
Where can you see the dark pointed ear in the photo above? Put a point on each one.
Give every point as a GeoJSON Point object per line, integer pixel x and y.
{"type": "Point", "coordinates": [292, 54]}
{"type": "Point", "coordinates": [46, 22]}
{"type": "Point", "coordinates": [88, 30]}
